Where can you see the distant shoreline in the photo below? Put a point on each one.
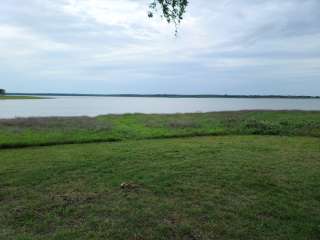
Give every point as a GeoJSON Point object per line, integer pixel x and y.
{"type": "Point", "coordinates": [19, 97]}
{"type": "Point", "coordinates": [165, 95]}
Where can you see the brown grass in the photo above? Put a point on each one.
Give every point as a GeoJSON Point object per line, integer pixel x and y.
{"type": "Point", "coordinates": [49, 123]}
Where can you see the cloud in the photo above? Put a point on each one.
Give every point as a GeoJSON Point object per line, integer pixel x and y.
{"type": "Point", "coordinates": [112, 46]}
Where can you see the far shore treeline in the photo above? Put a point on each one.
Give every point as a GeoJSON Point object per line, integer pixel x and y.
{"type": "Point", "coordinates": [2, 91]}
{"type": "Point", "coordinates": [165, 95]}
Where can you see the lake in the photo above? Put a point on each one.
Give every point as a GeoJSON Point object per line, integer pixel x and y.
{"type": "Point", "coordinates": [93, 106]}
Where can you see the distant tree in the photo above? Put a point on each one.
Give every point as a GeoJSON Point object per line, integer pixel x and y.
{"type": "Point", "coordinates": [171, 10]}
{"type": "Point", "coordinates": [2, 92]}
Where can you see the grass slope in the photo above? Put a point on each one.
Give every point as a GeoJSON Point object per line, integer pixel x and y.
{"type": "Point", "coordinates": [23, 132]}
{"type": "Point", "coordinates": [229, 187]}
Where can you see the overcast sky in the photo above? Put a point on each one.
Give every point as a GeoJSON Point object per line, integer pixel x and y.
{"type": "Point", "coordinates": [110, 46]}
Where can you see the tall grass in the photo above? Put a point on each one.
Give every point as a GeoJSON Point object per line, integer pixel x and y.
{"type": "Point", "coordinates": [21, 132]}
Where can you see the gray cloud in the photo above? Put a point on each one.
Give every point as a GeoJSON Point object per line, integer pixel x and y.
{"type": "Point", "coordinates": [224, 46]}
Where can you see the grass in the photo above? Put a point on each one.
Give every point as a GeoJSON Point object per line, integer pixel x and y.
{"type": "Point", "coordinates": [24, 132]}
{"type": "Point", "coordinates": [11, 97]}
{"type": "Point", "coordinates": [228, 175]}
{"type": "Point", "coordinates": [226, 187]}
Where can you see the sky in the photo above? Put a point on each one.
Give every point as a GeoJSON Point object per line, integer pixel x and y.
{"type": "Point", "coordinates": [112, 47]}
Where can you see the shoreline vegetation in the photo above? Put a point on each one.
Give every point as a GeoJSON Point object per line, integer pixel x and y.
{"type": "Point", "coordinates": [251, 175]}
{"type": "Point", "coordinates": [46, 131]}
{"type": "Point", "coordinates": [168, 95]}
{"type": "Point", "coordinates": [19, 97]}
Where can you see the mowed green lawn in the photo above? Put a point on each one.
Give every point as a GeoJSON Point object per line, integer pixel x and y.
{"type": "Point", "coordinates": [224, 187]}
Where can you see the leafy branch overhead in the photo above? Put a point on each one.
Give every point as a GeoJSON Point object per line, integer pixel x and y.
{"type": "Point", "coordinates": [171, 10]}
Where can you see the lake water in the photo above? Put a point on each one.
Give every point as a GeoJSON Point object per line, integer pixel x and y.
{"type": "Point", "coordinates": [93, 106]}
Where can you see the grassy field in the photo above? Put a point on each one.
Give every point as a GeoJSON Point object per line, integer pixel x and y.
{"type": "Point", "coordinates": [9, 97]}
{"type": "Point", "coordinates": [52, 131]}
{"type": "Point", "coordinates": [228, 187]}
{"type": "Point", "coordinates": [232, 175]}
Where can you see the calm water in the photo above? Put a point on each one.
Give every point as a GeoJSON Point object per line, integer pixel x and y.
{"type": "Point", "coordinates": [93, 106]}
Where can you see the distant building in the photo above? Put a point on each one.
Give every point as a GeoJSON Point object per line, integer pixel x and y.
{"type": "Point", "coordinates": [2, 92]}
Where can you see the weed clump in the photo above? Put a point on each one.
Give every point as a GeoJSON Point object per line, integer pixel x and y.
{"type": "Point", "coordinates": [262, 127]}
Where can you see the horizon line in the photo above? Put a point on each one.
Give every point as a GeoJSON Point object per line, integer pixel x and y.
{"type": "Point", "coordinates": [167, 95]}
